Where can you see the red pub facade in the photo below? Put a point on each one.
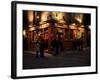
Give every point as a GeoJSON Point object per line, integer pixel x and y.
{"type": "Point", "coordinates": [49, 24]}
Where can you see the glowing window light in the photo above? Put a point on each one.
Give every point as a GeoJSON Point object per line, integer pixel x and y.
{"type": "Point", "coordinates": [73, 26]}
{"type": "Point", "coordinates": [79, 17]}
{"type": "Point", "coordinates": [30, 16]}
{"type": "Point", "coordinates": [24, 33]}
{"type": "Point", "coordinates": [31, 29]}
{"type": "Point", "coordinates": [44, 16]}
{"type": "Point", "coordinates": [30, 25]}
{"type": "Point", "coordinates": [60, 16]}
{"type": "Point", "coordinates": [89, 26]}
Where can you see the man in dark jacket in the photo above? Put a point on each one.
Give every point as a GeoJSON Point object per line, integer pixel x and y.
{"type": "Point", "coordinates": [56, 45]}
{"type": "Point", "coordinates": [42, 46]}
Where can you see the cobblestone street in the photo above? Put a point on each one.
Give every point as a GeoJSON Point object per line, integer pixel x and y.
{"type": "Point", "coordinates": [68, 58]}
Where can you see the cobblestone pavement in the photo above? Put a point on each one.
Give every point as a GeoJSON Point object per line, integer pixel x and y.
{"type": "Point", "coordinates": [68, 58]}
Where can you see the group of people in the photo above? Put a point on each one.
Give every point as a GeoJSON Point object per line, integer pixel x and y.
{"type": "Point", "coordinates": [55, 46]}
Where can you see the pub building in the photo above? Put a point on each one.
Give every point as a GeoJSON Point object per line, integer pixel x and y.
{"type": "Point", "coordinates": [49, 25]}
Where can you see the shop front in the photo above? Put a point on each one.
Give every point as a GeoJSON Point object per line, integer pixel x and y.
{"type": "Point", "coordinates": [51, 25]}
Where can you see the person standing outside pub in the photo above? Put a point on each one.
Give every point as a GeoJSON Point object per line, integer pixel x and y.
{"type": "Point", "coordinates": [37, 47]}
{"type": "Point", "coordinates": [42, 46]}
{"type": "Point", "coordinates": [56, 45]}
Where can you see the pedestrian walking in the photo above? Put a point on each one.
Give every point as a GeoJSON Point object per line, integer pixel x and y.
{"type": "Point", "coordinates": [42, 46]}
{"type": "Point", "coordinates": [56, 45]}
{"type": "Point", "coordinates": [37, 48]}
